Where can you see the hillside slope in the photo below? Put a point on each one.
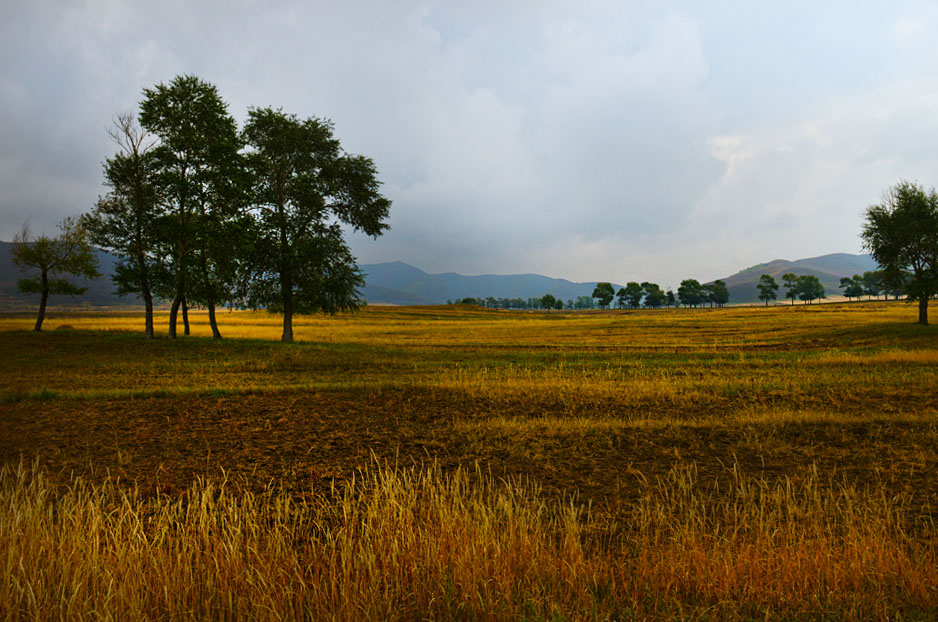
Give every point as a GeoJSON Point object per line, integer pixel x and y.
{"type": "Point", "coordinates": [829, 269]}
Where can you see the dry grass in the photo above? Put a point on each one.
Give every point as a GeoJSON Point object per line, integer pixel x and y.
{"type": "Point", "coordinates": [416, 543]}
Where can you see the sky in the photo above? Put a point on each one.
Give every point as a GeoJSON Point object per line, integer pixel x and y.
{"type": "Point", "coordinates": [590, 140]}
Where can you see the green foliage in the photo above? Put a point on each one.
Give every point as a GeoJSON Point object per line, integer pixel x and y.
{"type": "Point", "coordinates": [791, 285]}
{"type": "Point", "coordinates": [654, 297]}
{"type": "Point", "coordinates": [767, 288]}
{"type": "Point", "coordinates": [690, 292]}
{"type": "Point", "coordinates": [633, 294]}
{"type": "Point", "coordinates": [809, 288]}
{"type": "Point", "coordinates": [604, 293]}
{"type": "Point", "coordinates": [718, 293]}
{"type": "Point", "coordinates": [902, 235]}
{"type": "Point", "coordinates": [548, 302]}
{"type": "Point", "coordinates": [852, 286]}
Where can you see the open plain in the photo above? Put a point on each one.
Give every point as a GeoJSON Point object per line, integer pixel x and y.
{"type": "Point", "coordinates": [457, 462]}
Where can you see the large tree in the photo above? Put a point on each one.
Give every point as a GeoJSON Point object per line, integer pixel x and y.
{"type": "Point", "coordinates": [690, 292]}
{"type": "Point", "coordinates": [125, 220]}
{"type": "Point", "coordinates": [902, 235]}
{"type": "Point", "coordinates": [604, 293]}
{"type": "Point", "coordinates": [197, 169]}
{"type": "Point", "coordinates": [767, 288]}
{"type": "Point", "coordinates": [304, 186]}
{"type": "Point", "coordinates": [69, 253]}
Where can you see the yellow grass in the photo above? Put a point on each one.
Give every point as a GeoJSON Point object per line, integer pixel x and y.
{"type": "Point", "coordinates": [414, 543]}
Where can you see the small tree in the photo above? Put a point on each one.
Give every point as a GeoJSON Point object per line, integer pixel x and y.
{"type": "Point", "coordinates": [68, 253]}
{"type": "Point", "coordinates": [809, 288]}
{"type": "Point", "coordinates": [548, 302]}
{"type": "Point", "coordinates": [558, 305]}
{"type": "Point", "coordinates": [791, 286]}
{"type": "Point", "coordinates": [654, 297]}
{"type": "Point", "coordinates": [604, 293]}
{"type": "Point", "coordinates": [852, 286]}
{"type": "Point", "coordinates": [767, 288]}
{"type": "Point", "coordinates": [872, 283]}
{"type": "Point", "coordinates": [670, 298]}
{"type": "Point", "coordinates": [719, 293]}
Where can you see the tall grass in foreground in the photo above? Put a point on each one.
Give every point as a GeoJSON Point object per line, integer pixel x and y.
{"type": "Point", "coordinates": [418, 543]}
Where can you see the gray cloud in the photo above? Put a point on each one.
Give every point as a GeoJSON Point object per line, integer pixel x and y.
{"type": "Point", "coordinates": [609, 140]}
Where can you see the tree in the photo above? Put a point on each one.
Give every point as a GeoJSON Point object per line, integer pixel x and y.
{"type": "Point", "coordinates": [604, 293]}
{"type": "Point", "coordinates": [872, 283]}
{"type": "Point", "coordinates": [125, 220]}
{"type": "Point", "coordinates": [690, 292]}
{"type": "Point", "coordinates": [584, 302]}
{"type": "Point", "coordinates": [197, 169]}
{"type": "Point", "coordinates": [809, 288]}
{"type": "Point", "coordinates": [558, 305]}
{"type": "Point", "coordinates": [902, 235]}
{"type": "Point", "coordinates": [633, 294]}
{"type": "Point", "coordinates": [719, 293]}
{"type": "Point", "coordinates": [852, 286]}
{"type": "Point", "coordinates": [791, 286]}
{"type": "Point", "coordinates": [304, 186]}
{"type": "Point", "coordinates": [767, 288]}
{"type": "Point", "coordinates": [68, 253]}
{"type": "Point", "coordinates": [654, 297]}
{"type": "Point", "coordinates": [621, 297]}
{"type": "Point", "coordinates": [671, 299]}
{"type": "Point", "coordinates": [548, 302]}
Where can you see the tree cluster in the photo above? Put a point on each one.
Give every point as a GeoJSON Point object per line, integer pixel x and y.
{"type": "Point", "coordinates": [804, 287]}
{"type": "Point", "coordinates": [200, 211]}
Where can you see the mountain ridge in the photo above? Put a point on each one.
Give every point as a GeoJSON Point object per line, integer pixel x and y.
{"type": "Point", "coordinates": [399, 283]}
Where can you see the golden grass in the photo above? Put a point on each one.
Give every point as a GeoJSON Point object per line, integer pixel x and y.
{"type": "Point", "coordinates": [416, 543]}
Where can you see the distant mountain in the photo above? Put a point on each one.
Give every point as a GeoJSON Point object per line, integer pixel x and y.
{"type": "Point", "coordinates": [397, 279]}
{"type": "Point", "coordinates": [829, 269]}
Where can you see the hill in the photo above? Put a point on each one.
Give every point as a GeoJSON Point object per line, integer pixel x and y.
{"type": "Point", "coordinates": [829, 269]}
{"type": "Point", "coordinates": [399, 279]}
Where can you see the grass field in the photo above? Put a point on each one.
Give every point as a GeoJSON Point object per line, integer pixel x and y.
{"type": "Point", "coordinates": [453, 463]}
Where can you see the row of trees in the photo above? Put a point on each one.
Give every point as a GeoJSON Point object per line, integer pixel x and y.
{"type": "Point", "coordinates": [872, 284]}
{"type": "Point", "coordinates": [805, 287]}
{"type": "Point", "coordinates": [200, 211]}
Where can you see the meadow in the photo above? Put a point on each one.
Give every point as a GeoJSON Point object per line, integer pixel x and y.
{"type": "Point", "coordinates": [462, 463]}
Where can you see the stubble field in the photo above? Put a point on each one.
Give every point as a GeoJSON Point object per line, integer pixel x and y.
{"type": "Point", "coordinates": [452, 463]}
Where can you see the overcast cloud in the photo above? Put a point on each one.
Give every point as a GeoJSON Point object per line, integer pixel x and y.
{"type": "Point", "coordinates": [594, 140]}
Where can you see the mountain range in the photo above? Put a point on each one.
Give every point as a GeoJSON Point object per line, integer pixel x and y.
{"type": "Point", "coordinates": [402, 284]}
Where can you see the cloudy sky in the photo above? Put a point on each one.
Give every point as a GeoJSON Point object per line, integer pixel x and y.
{"type": "Point", "coordinates": [608, 140]}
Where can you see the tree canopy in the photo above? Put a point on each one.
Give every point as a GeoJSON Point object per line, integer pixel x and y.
{"type": "Point", "coordinates": [767, 288]}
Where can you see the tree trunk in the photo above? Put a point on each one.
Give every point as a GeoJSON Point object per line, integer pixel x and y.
{"type": "Point", "coordinates": [286, 291]}
{"type": "Point", "coordinates": [211, 320]}
{"type": "Point", "coordinates": [42, 302]}
{"type": "Point", "coordinates": [173, 314]}
{"type": "Point", "coordinates": [209, 298]}
{"type": "Point", "coordinates": [185, 316]}
{"type": "Point", "coordinates": [148, 301]}
{"type": "Point", "coordinates": [922, 311]}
